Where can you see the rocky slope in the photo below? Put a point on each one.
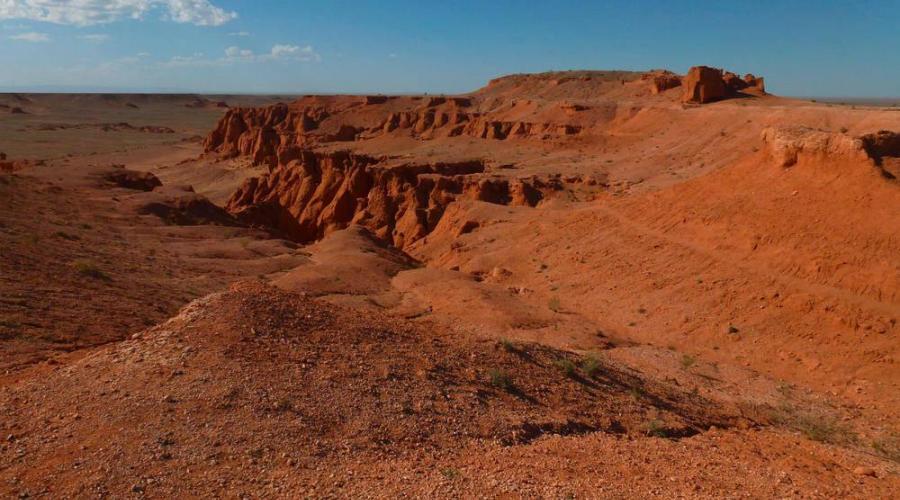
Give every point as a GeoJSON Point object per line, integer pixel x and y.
{"type": "Point", "coordinates": [258, 392]}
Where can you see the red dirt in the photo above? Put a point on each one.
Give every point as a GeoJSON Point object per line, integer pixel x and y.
{"type": "Point", "coordinates": [562, 284]}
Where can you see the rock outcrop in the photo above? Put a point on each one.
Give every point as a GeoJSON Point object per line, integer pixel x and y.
{"type": "Point", "coordinates": [789, 145]}
{"type": "Point", "coordinates": [317, 193]}
{"type": "Point", "coordinates": [882, 144]}
{"type": "Point", "coordinates": [132, 179]}
{"type": "Point", "coordinates": [660, 81]}
{"type": "Point", "coordinates": [15, 165]}
{"type": "Point", "coordinates": [704, 84]}
{"type": "Point", "coordinates": [754, 82]}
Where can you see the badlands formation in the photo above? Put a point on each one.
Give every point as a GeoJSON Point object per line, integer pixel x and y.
{"type": "Point", "coordinates": [573, 284]}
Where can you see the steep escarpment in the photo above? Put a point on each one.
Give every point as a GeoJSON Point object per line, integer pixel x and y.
{"type": "Point", "coordinates": [275, 134]}
{"type": "Point", "coordinates": [317, 193]}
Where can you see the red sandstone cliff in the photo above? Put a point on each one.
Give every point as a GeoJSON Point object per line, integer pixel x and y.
{"type": "Point", "coordinates": [317, 193]}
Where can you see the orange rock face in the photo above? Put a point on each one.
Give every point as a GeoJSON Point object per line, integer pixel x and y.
{"type": "Point", "coordinates": [704, 84]}
{"type": "Point", "coordinates": [660, 81]}
{"type": "Point", "coordinates": [318, 193]}
{"type": "Point", "coordinates": [754, 82]}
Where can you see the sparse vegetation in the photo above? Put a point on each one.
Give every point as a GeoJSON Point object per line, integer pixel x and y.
{"type": "Point", "coordinates": [888, 447]}
{"type": "Point", "coordinates": [507, 345]}
{"type": "Point", "coordinates": [554, 304]}
{"type": "Point", "coordinates": [567, 367]}
{"type": "Point", "coordinates": [500, 379]}
{"type": "Point", "coordinates": [284, 404]}
{"type": "Point", "coordinates": [824, 429]}
{"type": "Point", "coordinates": [8, 323]}
{"type": "Point", "coordinates": [89, 269]}
{"type": "Point", "coordinates": [450, 473]}
{"type": "Point", "coordinates": [784, 389]}
{"type": "Point", "coordinates": [66, 236]}
{"type": "Point", "coordinates": [656, 428]}
{"type": "Point", "coordinates": [590, 366]}
{"type": "Point", "coordinates": [688, 361]}
{"type": "Point", "coordinates": [817, 427]}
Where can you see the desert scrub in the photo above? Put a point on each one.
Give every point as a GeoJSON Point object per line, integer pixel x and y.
{"type": "Point", "coordinates": [821, 428]}
{"type": "Point", "coordinates": [656, 428]}
{"type": "Point", "coordinates": [688, 361]}
{"type": "Point", "coordinates": [554, 304]}
{"type": "Point", "coordinates": [450, 473]}
{"type": "Point", "coordinates": [566, 366]}
{"type": "Point", "coordinates": [500, 379]}
{"type": "Point", "coordinates": [507, 345]}
{"type": "Point", "coordinates": [590, 366]}
{"type": "Point", "coordinates": [66, 236]}
{"type": "Point", "coordinates": [888, 447]}
{"type": "Point", "coordinates": [89, 269]}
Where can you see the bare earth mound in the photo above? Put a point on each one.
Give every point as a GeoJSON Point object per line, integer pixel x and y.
{"type": "Point", "coordinates": [261, 392]}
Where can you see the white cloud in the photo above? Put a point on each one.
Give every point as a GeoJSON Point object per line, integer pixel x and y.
{"type": "Point", "coordinates": [233, 53]}
{"type": "Point", "coordinates": [293, 52]}
{"type": "Point", "coordinates": [88, 12]}
{"type": "Point", "coordinates": [239, 33]}
{"type": "Point", "coordinates": [278, 52]}
{"type": "Point", "coordinates": [31, 37]}
{"type": "Point", "coordinates": [194, 60]}
{"type": "Point", "coordinates": [95, 37]}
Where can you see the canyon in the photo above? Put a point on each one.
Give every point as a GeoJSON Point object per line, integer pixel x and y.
{"type": "Point", "coordinates": [577, 283]}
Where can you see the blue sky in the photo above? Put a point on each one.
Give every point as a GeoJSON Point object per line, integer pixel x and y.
{"type": "Point", "coordinates": [808, 48]}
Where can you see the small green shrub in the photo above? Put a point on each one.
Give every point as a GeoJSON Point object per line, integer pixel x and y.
{"type": "Point", "coordinates": [554, 304]}
{"type": "Point", "coordinates": [567, 367]}
{"type": "Point", "coordinates": [450, 473]}
{"type": "Point", "coordinates": [688, 361]}
{"type": "Point", "coordinates": [66, 236]}
{"type": "Point", "coordinates": [590, 366]}
{"type": "Point", "coordinates": [8, 323]}
{"type": "Point", "coordinates": [507, 345]}
{"type": "Point", "coordinates": [824, 429]}
{"type": "Point", "coordinates": [500, 379]}
{"type": "Point", "coordinates": [89, 269]}
{"type": "Point", "coordinates": [888, 447]}
{"type": "Point", "coordinates": [656, 428]}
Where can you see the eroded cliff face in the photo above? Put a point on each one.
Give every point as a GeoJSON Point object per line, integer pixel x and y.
{"type": "Point", "coordinates": [449, 118]}
{"type": "Point", "coordinates": [316, 193]}
{"type": "Point", "coordinates": [274, 135]}
{"type": "Point", "coordinates": [789, 146]}
{"type": "Point", "coordinates": [311, 190]}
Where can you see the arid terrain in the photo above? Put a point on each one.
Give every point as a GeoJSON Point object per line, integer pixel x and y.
{"type": "Point", "coordinates": [583, 284]}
